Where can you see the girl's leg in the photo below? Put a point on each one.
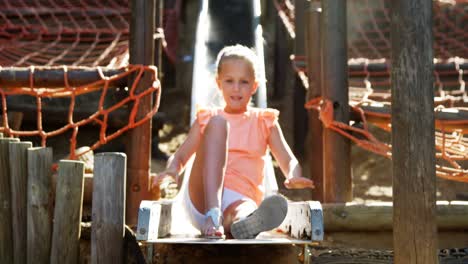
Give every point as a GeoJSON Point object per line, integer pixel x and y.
{"type": "Point", "coordinates": [237, 210]}
{"type": "Point", "coordinates": [207, 174]}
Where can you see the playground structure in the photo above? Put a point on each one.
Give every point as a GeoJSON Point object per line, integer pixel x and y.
{"type": "Point", "coordinates": [164, 222]}
{"type": "Point", "coordinates": [341, 178]}
{"type": "Point", "coordinates": [46, 82]}
{"type": "Point", "coordinates": [366, 48]}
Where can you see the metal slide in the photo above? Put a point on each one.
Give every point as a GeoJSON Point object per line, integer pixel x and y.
{"type": "Point", "coordinates": [223, 23]}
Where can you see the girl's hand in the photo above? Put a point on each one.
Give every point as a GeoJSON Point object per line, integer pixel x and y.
{"type": "Point", "coordinates": [299, 183]}
{"type": "Point", "coordinates": [160, 178]}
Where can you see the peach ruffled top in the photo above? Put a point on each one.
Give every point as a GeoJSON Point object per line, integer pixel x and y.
{"type": "Point", "coordinates": [247, 146]}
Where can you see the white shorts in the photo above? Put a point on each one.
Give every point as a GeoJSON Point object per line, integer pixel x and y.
{"type": "Point", "coordinates": [198, 219]}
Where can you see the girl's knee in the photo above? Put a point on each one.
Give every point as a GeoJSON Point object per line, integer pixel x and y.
{"type": "Point", "coordinates": [219, 123]}
{"type": "Point", "coordinates": [240, 209]}
{"type": "Point", "coordinates": [237, 210]}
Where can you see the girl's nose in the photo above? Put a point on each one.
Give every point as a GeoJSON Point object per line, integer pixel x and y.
{"type": "Point", "coordinates": [236, 86]}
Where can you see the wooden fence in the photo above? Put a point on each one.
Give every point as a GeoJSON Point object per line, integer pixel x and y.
{"type": "Point", "coordinates": [35, 228]}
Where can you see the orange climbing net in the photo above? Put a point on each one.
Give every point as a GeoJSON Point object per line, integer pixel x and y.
{"type": "Point", "coordinates": [101, 114]}
{"type": "Point", "coordinates": [74, 33]}
{"type": "Point", "coordinates": [369, 80]}
{"type": "Point", "coordinates": [35, 35]}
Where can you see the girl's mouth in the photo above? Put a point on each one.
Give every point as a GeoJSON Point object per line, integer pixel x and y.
{"type": "Point", "coordinates": [236, 98]}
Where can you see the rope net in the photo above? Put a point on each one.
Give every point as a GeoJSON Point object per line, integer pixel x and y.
{"type": "Point", "coordinates": [101, 114]}
{"type": "Point", "coordinates": [75, 33]}
{"type": "Point", "coordinates": [369, 75]}
{"type": "Point", "coordinates": [67, 35]}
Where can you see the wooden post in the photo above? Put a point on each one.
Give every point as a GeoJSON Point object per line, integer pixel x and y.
{"type": "Point", "coordinates": [16, 119]}
{"type": "Point", "coordinates": [314, 67]}
{"type": "Point", "coordinates": [284, 80]}
{"type": "Point", "coordinates": [413, 139]}
{"type": "Point", "coordinates": [300, 9]}
{"type": "Point", "coordinates": [108, 227]}
{"type": "Point", "coordinates": [158, 48]}
{"type": "Point", "coordinates": [39, 215]}
{"type": "Point", "coordinates": [6, 236]}
{"type": "Point", "coordinates": [19, 197]}
{"type": "Point", "coordinates": [336, 148]}
{"type": "Point", "coordinates": [300, 113]}
{"type": "Point", "coordinates": [139, 143]}
{"type": "Point", "coordinates": [67, 215]}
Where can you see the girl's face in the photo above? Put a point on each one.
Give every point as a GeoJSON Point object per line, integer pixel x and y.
{"type": "Point", "coordinates": [236, 80]}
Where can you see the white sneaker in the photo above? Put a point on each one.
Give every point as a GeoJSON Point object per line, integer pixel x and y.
{"type": "Point", "coordinates": [270, 214]}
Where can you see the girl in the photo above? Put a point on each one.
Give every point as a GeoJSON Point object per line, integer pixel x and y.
{"type": "Point", "coordinates": [225, 189]}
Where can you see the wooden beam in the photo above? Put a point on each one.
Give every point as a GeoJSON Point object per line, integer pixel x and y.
{"type": "Point", "coordinates": [141, 45]}
{"type": "Point", "coordinates": [19, 197]}
{"type": "Point", "coordinates": [378, 216]}
{"type": "Point", "coordinates": [413, 139]}
{"type": "Point", "coordinates": [67, 215]}
{"type": "Point", "coordinates": [336, 148]}
{"type": "Point", "coordinates": [380, 114]}
{"type": "Point", "coordinates": [53, 77]}
{"type": "Point", "coordinates": [380, 68]}
{"type": "Point", "coordinates": [6, 228]}
{"type": "Point", "coordinates": [108, 226]}
{"type": "Point", "coordinates": [58, 114]}
{"type": "Point", "coordinates": [314, 68]}
{"type": "Point", "coordinates": [39, 212]}
{"type": "Point", "coordinates": [304, 220]}
{"type": "Point", "coordinates": [378, 240]}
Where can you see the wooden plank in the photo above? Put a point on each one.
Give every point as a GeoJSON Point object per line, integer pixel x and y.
{"type": "Point", "coordinates": [108, 226]}
{"type": "Point", "coordinates": [87, 187]}
{"type": "Point", "coordinates": [39, 212]}
{"type": "Point", "coordinates": [19, 197]}
{"type": "Point", "coordinates": [67, 215]}
{"type": "Point", "coordinates": [6, 236]}
{"type": "Point", "coordinates": [154, 220]}
{"type": "Point", "coordinates": [379, 216]}
{"type": "Point", "coordinates": [447, 239]}
{"type": "Point", "coordinates": [264, 238]}
{"type": "Point", "coordinates": [336, 148]}
{"type": "Point", "coordinates": [314, 69]}
{"type": "Point", "coordinates": [304, 221]}
{"type": "Point", "coordinates": [303, 224]}
{"type": "Point", "coordinates": [413, 139]}
{"type": "Point", "coordinates": [85, 106]}
{"type": "Point", "coordinates": [138, 149]}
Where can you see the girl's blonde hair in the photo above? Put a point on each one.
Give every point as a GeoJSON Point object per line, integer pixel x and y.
{"type": "Point", "coordinates": [237, 52]}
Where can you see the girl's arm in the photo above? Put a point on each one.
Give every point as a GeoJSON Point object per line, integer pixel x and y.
{"type": "Point", "coordinates": [287, 161]}
{"type": "Point", "coordinates": [177, 161]}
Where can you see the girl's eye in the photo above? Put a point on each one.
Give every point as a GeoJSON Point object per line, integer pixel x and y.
{"type": "Point", "coordinates": [229, 81]}
{"type": "Point", "coordinates": [245, 82]}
